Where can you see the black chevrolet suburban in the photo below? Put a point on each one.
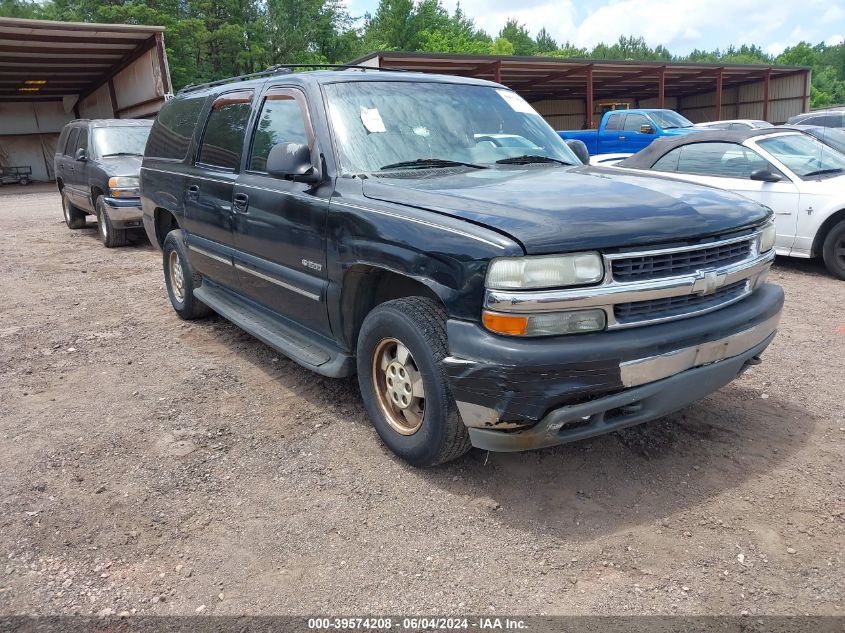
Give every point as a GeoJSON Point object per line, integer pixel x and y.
{"type": "Point", "coordinates": [96, 165]}
{"type": "Point", "coordinates": [435, 236]}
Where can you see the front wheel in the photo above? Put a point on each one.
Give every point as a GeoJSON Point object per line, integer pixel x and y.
{"type": "Point", "coordinates": [180, 279]}
{"type": "Point", "coordinates": [400, 355]}
{"type": "Point", "coordinates": [109, 235]}
{"type": "Point", "coordinates": [833, 251]}
{"type": "Point", "coordinates": [74, 216]}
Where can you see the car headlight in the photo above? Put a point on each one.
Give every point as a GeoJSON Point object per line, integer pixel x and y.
{"type": "Point", "coordinates": [545, 324]}
{"type": "Point", "coordinates": [767, 238]}
{"type": "Point", "coordinates": [124, 187]}
{"type": "Point", "coordinates": [545, 271]}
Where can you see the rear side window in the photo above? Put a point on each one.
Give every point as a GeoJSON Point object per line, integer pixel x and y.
{"type": "Point", "coordinates": [70, 147]}
{"type": "Point", "coordinates": [223, 140]}
{"type": "Point", "coordinates": [669, 161]}
{"type": "Point", "coordinates": [613, 122]}
{"type": "Point", "coordinates": [173, 128]}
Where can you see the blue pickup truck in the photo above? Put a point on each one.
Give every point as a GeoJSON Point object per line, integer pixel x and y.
{"type": "Point", "coordinates": [629, 131]}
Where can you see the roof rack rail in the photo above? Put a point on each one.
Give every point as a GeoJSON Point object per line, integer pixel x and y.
{"type": "Point", "coordinates": [279, 69]}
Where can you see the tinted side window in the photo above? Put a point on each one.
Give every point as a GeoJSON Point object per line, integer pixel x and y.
{"type": "Point", "coordinates": [726, 160]}
{"type": "Point", "coordinates": [281, 121]}
{"type": "Point", "coordinates": [173, 128]}
{"type": "Point", "coordinates": [82, 142]}
{"type": "Point", "coordinates": [70, 147]}
{"type": "Point", "coordinates": [633, 122]}
{"type": "Point", "coordinates": [613, 122]}
{"type": "Point", "coordinates": [225, 129]}
{"type": "Point", "coordinates": [668, 162]}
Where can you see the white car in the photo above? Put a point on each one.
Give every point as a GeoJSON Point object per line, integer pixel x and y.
{"type": "Point", "coordinates": [735, 124]}
{"type": "Point", "coordinates": [799, 178]}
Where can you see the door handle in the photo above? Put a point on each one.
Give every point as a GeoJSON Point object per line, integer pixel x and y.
{"type": "Point", "coordinates": [620, 138]}
{"type": "Point", "coordinates": [193, 192]}
{"type": "Point", "coordinates": [240, 203]}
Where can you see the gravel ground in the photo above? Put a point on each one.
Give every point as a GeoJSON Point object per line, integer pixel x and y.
{"type": "Point", "coordinates": [158, 467]}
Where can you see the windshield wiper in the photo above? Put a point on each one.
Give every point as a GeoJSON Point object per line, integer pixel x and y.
{"type": "Point", "coordinates": [527, 159]}
{"type": "Point", "coordinates": [123, 154]}
{"type": "Point", "coordinates": [820, 172]}
{"type": "Point", "coordinates": [423, 163]}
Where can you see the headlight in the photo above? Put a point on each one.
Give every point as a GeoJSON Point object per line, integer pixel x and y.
{"type": "Point", "coordinates": [546, 324]}
{"type": "Point", "coordinates": [546, 271]}
{"type": "Point", "coordinates": [767, 238]}
{"type": "Point", "coordinates": [124, 187]}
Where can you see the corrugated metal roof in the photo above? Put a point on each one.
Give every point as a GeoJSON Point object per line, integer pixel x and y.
{"type": "Point", "coordinates": [44, 60]}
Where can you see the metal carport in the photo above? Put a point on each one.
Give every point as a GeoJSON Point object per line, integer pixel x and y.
{"type": "Point", "coordinates": [566, 91]}
{"type": "Point", "coordinates": [53, 72]}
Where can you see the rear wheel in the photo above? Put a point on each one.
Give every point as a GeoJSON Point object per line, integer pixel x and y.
{"type": "Point", "coordinates": [74, 216]}
{"type": "Point", "coordinates": [400, 355]}
{"type": "Point", "coordinates": [833, 251]}
{"type": "Point", "coordinates": [109, 235]}
{"type": "Point", "coordinates": [180, 279]}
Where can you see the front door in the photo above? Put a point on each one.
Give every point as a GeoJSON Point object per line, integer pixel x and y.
{"type": "Point", "coordinates": [210, 187]}
{"type": "Point", "coordinates": [280, 225]}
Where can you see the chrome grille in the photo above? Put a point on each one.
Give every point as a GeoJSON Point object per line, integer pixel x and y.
{"type": "Point", "coordinates": [670, 264]}
{"type": "Point", "coordinates": [668, 307]}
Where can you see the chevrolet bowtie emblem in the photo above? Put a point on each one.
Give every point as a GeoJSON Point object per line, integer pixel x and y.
{"type": "Point", "coordinates": [707, 282]}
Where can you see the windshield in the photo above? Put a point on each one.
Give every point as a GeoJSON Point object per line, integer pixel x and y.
{"type": "Point", "coordinates": [830, 136]}
{"type": "Point", "coordinates": [804, 155]}
{"type": "Point", "coordinates": [667, 119]}
{"type": "Point", "coordinates": [121, 140]}
{"type": "Point", "coordinates": [392, 124]}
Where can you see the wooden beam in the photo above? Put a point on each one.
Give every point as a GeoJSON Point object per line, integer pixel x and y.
{"type": "Point", "coordinates": [59, 50]}
{"type": "Point", "coordinates": [113, 99]}
{"type": "Point", "coordinates": [161, 53]}
{"type": "Point", "coordinates": [82, 38]}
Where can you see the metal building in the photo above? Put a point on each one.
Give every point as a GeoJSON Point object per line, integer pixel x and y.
{"type": "Point", "coordinates": [53, 72]}
{"type": "Point", "coordinates": [573, 93]}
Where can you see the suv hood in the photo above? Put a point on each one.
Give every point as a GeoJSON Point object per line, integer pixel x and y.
{"type": "Point", "coordinates": [121, 165]}
{"type": "Point", "coordinates": [560, 209]}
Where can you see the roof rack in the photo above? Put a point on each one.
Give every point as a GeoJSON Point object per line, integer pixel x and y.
{"type": "Point", "coordinates": [280, 69]}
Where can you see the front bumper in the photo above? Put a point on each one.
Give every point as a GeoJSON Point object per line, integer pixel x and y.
{"type": "Point", "coordinates": [124, 213]}
{"type": "Point", "coordinates": [518, 394]}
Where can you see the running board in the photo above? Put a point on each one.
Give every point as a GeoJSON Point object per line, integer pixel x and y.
{"type": "Point", "coordinates": [277, 332]}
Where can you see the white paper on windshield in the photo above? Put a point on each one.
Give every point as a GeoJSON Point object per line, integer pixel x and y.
{"type": "Point", "coordinates": [371, 119]}
{"type": "Point", "coordinates": [517, 103]}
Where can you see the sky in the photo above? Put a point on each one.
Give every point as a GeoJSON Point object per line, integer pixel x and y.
{"type": "Point", "coordinates": [680, 25]}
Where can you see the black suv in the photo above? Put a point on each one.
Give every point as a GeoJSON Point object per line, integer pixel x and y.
{"type": "Point", "coordinates": [97, 164]}
{"type": "Point", "coordinates": [487, 293]}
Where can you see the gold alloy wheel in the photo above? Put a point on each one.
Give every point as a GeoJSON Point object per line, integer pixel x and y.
{"type": "Point", "coordinates": [177, 279]}
{"type": "Point", "coordinates": [399, 386]}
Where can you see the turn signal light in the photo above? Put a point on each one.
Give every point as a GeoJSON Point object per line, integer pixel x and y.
{"type": "Point", "coordinates": [509, 324]}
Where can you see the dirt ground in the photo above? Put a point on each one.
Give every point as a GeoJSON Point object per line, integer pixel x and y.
{"type": "Point", "coordinates": [152, 466]}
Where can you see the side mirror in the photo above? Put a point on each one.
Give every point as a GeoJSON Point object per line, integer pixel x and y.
{"type": "Point", "coordinates": [291, 161]}
{"type": "Point", "coordinates": [646, 129]}
{"type": "Point", "coordinates": [765, 175]}
{"type": "Point", "coordinates": [81, 155]}
{"type": "Point", "coordinates": [579, 148]}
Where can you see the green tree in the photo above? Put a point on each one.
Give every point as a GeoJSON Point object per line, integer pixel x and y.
{"type": "Point", "coordinates": [519, 37]}
{"type": "Point", "coordinates": [544, 42]}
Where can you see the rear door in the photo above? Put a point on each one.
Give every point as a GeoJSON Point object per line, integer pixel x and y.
{"type": "Point", "coordinates": [209, 186]}
{"type": "Point", "coordinates": [280, 225]}
{"type": "Point", "coordinates": [610, 137]}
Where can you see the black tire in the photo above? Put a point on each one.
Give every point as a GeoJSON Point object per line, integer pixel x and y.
{"type": "Point", "coordinates": [187, 306]}
{"type": "Point", "coordinates": [420, 325]}
{"type": "Point", "coordinates": [833, 250]}
{"type": "Point", "coordinates": [109, 235]}
{"type": "Point", "coordinates": [74, 216]}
